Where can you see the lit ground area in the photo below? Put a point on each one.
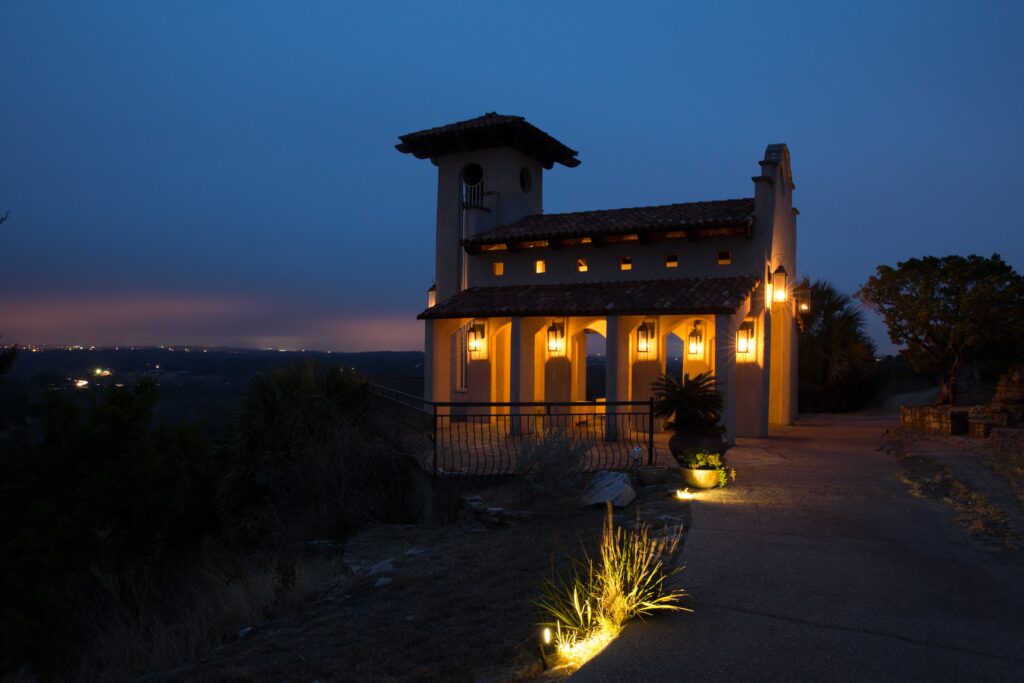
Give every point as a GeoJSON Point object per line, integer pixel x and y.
{"type": "Point", "coordinates": [820, 565]}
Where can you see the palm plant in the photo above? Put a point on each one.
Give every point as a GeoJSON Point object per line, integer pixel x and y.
{"type": "Point", "coordinates": [837, 365]}
{"type": "Point", "coordinates": [693, 406]}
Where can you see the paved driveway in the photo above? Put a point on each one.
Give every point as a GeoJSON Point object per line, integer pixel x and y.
{"type": "Point", "coordinates": [819, 566]}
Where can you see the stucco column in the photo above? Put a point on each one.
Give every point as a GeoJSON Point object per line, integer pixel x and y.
{"type": "Point", "coordinates": [515, 365]}
{"type": "Point", "coordinates": [611, 374]}
{"type": "Point", "coordinates": [428, 360]}
{"type": "Point", "coordinates": [725, 371]}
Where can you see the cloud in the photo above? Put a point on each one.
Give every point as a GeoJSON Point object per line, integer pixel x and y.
{"type": "Point", "coordinates": [183, 319]}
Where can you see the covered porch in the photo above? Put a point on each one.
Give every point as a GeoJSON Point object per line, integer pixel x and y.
{"type": "Point", "coordinates": [532, 344]}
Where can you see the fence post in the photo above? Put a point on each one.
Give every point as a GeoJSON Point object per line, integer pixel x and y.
{"type": "Point", "coordinates": [433, 472]}
{"type": "Point", "coordinates": [650, 431]}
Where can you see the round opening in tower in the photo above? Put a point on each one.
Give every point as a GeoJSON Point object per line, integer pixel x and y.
{"type": "Point", "coordinates": [525, 180]}
{"type": "Point", "coordinates": [472, 175]}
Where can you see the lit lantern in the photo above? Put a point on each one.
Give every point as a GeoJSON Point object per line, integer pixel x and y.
{"type": "Point", "coordinates": [476, 341]}
{"type": "Point", "coordinates": [779, 291]}
{"type": "Point", "coordinates": [803, 300]}
{"type": "Point", "coordinates": [645, 341]}
{"type": "Point", "coordinates": [556, 339]}
{"type": "Point", "coordinates": [746, 344]}
{"type": "Point", "coordinates": [695, 341]}
{"type": "Point", "coordinates": [432, 296]}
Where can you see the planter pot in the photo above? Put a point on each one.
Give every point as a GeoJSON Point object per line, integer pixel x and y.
{"type": "Point", "coordinates": [700, 479]}
{"type": "Point", "coordinates": [649, 476]}
{"type": "Point", "coordinates": [680, 442]}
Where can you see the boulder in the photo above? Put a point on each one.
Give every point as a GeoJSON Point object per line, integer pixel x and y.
{"type": "Point", "coordinates": [609, 486]}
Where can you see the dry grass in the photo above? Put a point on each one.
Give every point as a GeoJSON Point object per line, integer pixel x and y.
{"type": "Point", "coordinates": [975, 515]}
{"type": "Point", "coordinates": [137, 623]}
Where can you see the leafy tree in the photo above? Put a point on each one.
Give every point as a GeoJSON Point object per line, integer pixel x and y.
{"type": "Point", "coordinates": [103, 494]}
{"type": "Point", "coordinates": [837, 365]}
{"type": "Point", "coordinates": [940, 309]}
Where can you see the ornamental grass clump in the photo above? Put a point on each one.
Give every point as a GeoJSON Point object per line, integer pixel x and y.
{"type": "Point", "coordinates": [632, 576]}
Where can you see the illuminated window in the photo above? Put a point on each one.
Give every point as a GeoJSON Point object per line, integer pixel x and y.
{"type": "Point", "coordinates": [581, 265]}
{"type": "Point", "coordinates": [498, 268]}
{"type": "Point", "coordinates": [724, 258]}
{"type": "Point", "coordinates": [626, 263]}
{"type": "Point", "coordinates": [671, 261]}
{"type": "Point", "coordinates": [539, 266]}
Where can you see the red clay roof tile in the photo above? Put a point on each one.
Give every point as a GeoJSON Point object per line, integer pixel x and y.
{"type": "Point", "coordinates": [636, 297]}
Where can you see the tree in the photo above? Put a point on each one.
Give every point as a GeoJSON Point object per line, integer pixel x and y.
{"type": "Point", "coordinates": [838, 370]}
{"type": "Point", "coordinates": [939, 309]}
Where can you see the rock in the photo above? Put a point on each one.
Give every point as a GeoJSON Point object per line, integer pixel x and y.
{"type": "Point", "coordinates": [519, 515]}
{"type": "Point", "coordinates": [413, 551]}
{"type": "Point", "coordinates": [385, 567]}
{"type": "Point", "coordinates": [382, 582]}
{"type": "Point", "coordinates": [609, 486]}
{"type": "Point", "coordinates": [245, 631]}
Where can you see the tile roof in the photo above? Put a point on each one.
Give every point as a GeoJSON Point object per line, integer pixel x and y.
{"type": "Point", "coordinates": [483, 132]}
{"type": "Point", "coordinates": [725, 213]}
{"type": "Point", "coordinates": [624, 297]}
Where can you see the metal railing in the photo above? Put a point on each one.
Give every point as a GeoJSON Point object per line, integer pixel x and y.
{"type": "Point", "coordinates": [471, 438]}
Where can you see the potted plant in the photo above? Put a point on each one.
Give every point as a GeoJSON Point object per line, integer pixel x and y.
{"type": "Point", "coordinates": [692, 410]}
{"type": "Point", "coordinates": [705, 470]}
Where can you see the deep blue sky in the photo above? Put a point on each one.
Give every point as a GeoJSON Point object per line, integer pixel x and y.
{"type": "Point", "coordinates": [224, 173]}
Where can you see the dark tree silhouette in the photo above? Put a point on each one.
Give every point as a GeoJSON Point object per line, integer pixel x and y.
{"type": "Point", "coordinates": [838, 370]}
{"type": "Point", "coordinates": [940, 309]}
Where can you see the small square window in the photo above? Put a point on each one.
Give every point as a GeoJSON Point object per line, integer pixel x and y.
{"type": "Point", "coordinates": [539, 266]}
{"type": "Point", "coordinates": [724, 258]}
{"type": "Point", "coordinates": [626, 263]}
{"type": "Point", "coordinates": [498, 268]}
{"type": "Point", "coordinates": [671, 261]}
{"type": "Point", "coordinates": [581, 265]}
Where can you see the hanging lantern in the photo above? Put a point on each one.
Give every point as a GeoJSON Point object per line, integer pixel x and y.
{"type": "Point", "coordinates": [477, 340]}
{"type": "Point", "coordinates": [779, 291]}
{"type": "Point", "coordinates": [695, 341]}
{"type": "Point", "coordinates": [556, 339]}
{"type": "Point", "coordinates": [645, 341]}
{"type": "Point", "coordinates": [432, 296]}
{"type": "Point", "coordinates": [746, 344]}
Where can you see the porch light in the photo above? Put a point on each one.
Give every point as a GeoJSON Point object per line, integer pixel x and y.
{"type": "Point", "coordinates": [477, 341]}
{"type": "Point", "coordinates": [695, 341]}
{"type": "Point", "coordinates": [802, 296]}
{"type": "Point", "coordinates": [556, 339]}
{"type": "Point", "coordinates": [645, 338]}
{"type": "Point", "coordinates": [432, 296]}
{"type": "Point", "coordinates": [746, 344]}
{"type": "Point", "coordinates": [779, 291]}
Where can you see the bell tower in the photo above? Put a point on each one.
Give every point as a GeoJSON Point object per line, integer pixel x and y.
{"type": "Point", "coordinates": [489, 173]}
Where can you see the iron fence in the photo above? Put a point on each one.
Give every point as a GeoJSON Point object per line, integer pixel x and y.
{"type": "Point", "coordinates": [482, 439]}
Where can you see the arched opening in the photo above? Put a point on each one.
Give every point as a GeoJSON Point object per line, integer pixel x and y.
{"type": "Point", "coordinates": [588, 368]}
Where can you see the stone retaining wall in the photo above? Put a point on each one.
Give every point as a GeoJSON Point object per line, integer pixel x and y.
{"type": "Point", "coordinates": [941, 420]}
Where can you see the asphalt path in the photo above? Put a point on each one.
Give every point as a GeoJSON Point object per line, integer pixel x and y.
{"type": "Point", "coordinates": [818, 565]}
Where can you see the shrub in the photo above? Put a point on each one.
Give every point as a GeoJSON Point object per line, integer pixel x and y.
{"type": "Point", "coordinates": [301, 462]}
{"type": "Point", "coordinates": [693, 405]}
{"type": "Point", "coordinates": [632, 577]}
{"type": "Point", "coordinates": [706, 460]}
{"type": "Point", "coordinates": [104, 493]}
{"type": "Point", "coordinates": [551, 460]}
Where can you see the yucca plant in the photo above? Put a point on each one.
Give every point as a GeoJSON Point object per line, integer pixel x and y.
{"type": "Point", "coordinates": [632, 577]}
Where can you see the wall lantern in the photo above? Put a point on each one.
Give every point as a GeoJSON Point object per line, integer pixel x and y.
{"type": "Point", "coordinates": [802, 296]}
{"type": "Point", "coordinates": [645, 338]}
{"type": "Point", "coordinates": [779, 291]}
{"type": "Point", "coordinates": [556, 339]}
{"type": "Point", "coordinates": [432, 296]}
{"type": "Point", "coordinates": [477, 340]}
{"type": "Point", "coordinates": [695, 341]}
{"type": "Point", "coordinates": [746, 343]}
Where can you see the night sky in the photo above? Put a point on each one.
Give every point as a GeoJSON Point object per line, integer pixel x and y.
{"type": "Point", "coordinates": [225, 173]}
